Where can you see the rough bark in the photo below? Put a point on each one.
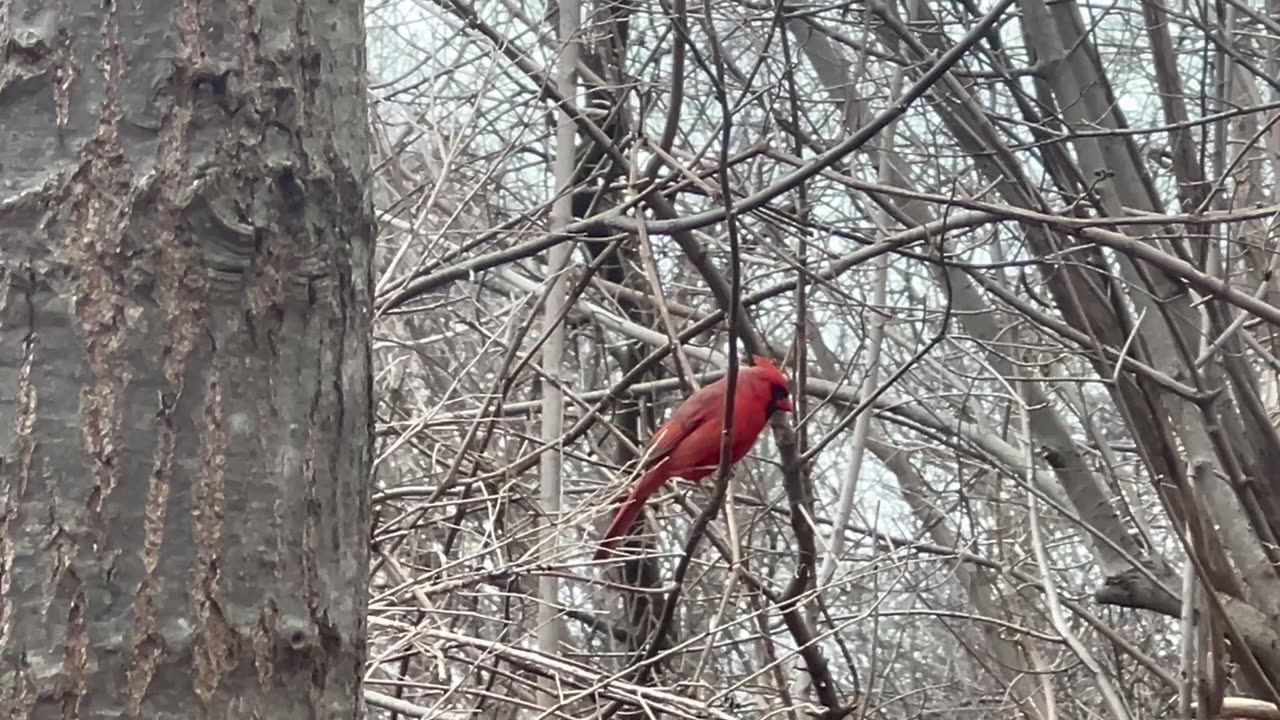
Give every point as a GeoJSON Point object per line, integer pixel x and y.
{"type": "Point", "coordinates": [185, 247]}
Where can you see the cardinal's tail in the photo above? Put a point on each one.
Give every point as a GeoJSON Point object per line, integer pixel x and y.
{"type": "Point", "coordinates": [630, 511]}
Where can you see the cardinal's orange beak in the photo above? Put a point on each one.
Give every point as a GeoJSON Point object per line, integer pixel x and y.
{"type": "Point", "coordinates": [784, 405]}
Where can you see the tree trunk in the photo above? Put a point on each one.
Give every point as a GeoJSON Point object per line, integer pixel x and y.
{"type": "Point", "coordinates": [185, 394]}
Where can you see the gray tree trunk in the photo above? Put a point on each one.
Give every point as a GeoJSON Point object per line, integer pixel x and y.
{"type": "Point", "coordinates": [185, 255]}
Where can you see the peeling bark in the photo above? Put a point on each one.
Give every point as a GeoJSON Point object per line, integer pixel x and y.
{"type": "Point", "coordinates": [185, 408]}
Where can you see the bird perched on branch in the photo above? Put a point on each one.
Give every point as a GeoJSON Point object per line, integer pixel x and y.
{"type": "Point", "coordinates": [688, 445]}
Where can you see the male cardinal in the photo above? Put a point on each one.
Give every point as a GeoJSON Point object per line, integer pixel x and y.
{"type": "Point", "coordinates": [688, 445]}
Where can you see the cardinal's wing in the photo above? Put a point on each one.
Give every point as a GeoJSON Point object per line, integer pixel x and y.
{"type": "Point", "coordinates": [703, 407]}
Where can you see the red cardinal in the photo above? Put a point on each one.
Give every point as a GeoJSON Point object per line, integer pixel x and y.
{"type": "Point", "coordinates": [688, 445]}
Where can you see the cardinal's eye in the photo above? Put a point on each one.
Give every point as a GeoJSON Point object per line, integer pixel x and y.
{"type": "Point", "coordinates": [780, 393]}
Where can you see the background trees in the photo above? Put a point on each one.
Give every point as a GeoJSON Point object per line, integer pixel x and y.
{"type": "Point", "coordinates": [1048, 272]}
